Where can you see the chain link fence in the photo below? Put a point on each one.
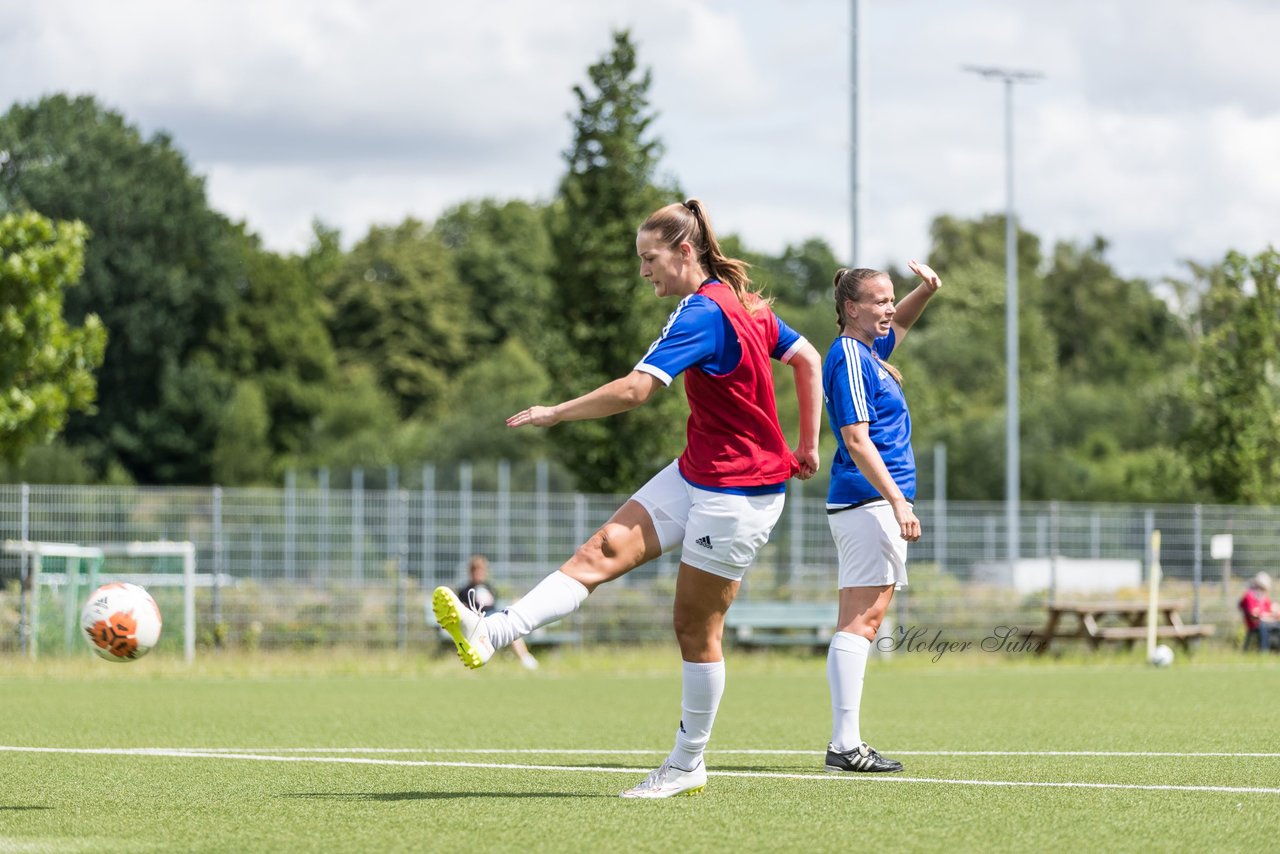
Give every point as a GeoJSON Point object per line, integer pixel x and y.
{"type": "Point", "coordinates": [316, 566]}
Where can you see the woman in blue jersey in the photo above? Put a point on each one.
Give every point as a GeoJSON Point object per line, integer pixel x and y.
{"type": "Point", "coordinates": [873, 482]}
{"type": "Point", "coordinates": [718, 502]}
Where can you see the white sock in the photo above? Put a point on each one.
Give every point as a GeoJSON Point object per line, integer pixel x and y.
{"type": "Point", "coordinates": [699, 700]}
{"type": "Point", "coordinates": [846, 667]}
{"type": "Point", "coordinates": [554, 597]}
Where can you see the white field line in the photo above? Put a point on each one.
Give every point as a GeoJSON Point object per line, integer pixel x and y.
{"type": "Point", "coordinates": [769, 775]}
{"type": "Point", "coordinates": [577, 751]}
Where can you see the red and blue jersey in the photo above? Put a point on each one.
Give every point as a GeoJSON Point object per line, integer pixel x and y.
{"type": "Point", "coordinates": [856, 387]}
{"type": "Point", "coordinates": [734, 441]}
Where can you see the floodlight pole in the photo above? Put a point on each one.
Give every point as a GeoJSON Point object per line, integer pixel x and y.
{"type": "Point", "coordinates": [1012, 478]}
{"type": "Point", "coordinates": [856, 160]}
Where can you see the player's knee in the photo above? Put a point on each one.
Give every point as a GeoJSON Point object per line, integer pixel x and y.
{"type": "Point", "coordinates": [695, 630]}
{"type": "Point", "coordinates": [868, 624]}
{"type": "Point", "coordinates": [597, 560]}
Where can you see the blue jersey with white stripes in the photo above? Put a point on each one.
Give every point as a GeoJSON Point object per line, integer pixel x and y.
{"type": "Point", "coordinates": [856, 387]}
{"type": "Point", "coordinates": [699, 335]}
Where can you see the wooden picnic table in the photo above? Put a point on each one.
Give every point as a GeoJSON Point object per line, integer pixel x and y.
{"type": "Point", "coordinates": [1115, 622]}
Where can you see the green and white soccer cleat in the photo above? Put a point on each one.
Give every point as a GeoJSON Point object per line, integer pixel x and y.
{"type": "Point", "coordinates": [669, 781]}
{"type": "Point", "coordinates": [464, 625]}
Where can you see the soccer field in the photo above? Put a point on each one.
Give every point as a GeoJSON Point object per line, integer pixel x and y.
{"type": "Point", "coordinates": [388, 754]}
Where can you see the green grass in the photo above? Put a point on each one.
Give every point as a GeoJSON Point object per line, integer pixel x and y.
{"type": "Point", "coordinates": [622, 701]}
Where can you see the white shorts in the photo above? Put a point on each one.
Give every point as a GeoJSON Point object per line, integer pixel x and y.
{"type": "Point", "coordinates": [869, 546]}
{"type": "Point", "coordinates": [721, 532]}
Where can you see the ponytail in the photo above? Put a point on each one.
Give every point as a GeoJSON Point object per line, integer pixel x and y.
{"type": "Point", "coordinates": [688, 222]}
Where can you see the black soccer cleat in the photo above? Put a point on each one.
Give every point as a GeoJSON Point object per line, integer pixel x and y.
{"type": "Point", "coordinates": [861, 758]}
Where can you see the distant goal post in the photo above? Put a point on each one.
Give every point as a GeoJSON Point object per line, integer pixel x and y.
{"type": "Point", "coordinates": [85, 567]}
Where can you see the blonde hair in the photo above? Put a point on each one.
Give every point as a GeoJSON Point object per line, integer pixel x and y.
{"type": "Point", "coordinates": [688, 222]}
{"type": "Point", "coordinates": [1262, 581]}
{"type": "Point", "coordinates": [848, 284]}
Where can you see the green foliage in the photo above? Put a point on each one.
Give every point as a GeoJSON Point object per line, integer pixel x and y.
{"type": "Point", "coordinates": [1101, 360]}
{"type": "Point", "coordinates": [242, 451]}
{"type": "Point", "coordinates": [358, 425]}
{"type": "Point", "coordinates": [472, 424]}
{"type": "Point", "coordinates": [323, 257]}
{"type": "Point", "coordinates": [46, 365]}
{"type": "Point", "coordinates": [503, 257]}
{"type": "Point", "coordinates": [61, 464]}
{"type": "Point", "coordinates": [229, 362]}
{"type": "Point", "coordinates": [276, 335]}
{"type": "Point", "coordinates": [397, 307]}
{"type": "Point", "coordinates": [953, 363]}
{"type": "Point", "coordinates": [1106, 327]}
{"type": "Point", "coordinates": [801, 275]}
{"type": "Point", "coordinates": [156, 273]}
{"type": "Point", "coordinates": [1234, 441]}
{"type": "Point", "coordinates": [607, 313]}
{"type": "Point", "coordinates": [1091, 442]}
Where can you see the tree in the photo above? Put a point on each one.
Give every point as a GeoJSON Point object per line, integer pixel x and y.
{"type": "Point", "coordinates": [802, 274]}
{"type": "Point", "coordinates": [1234, 441]}
{"type": "Point", "coordinates": [954, 366]}
{"type": "Point", "coordinates": [607, 314]}
{"type": "Point", "coordinates": [46, 365]}
{"type": "Point", "coordinates": [1106, 327]}
{"type": "Point", "coordinates": [502, 254]}
{"type": "Point", "coordinates": [242, 454]}
{"type": "Point", "coordinates": [397, 307]}
{"type": "Point", "coordinates": [275, 336]}
{"type": "Point", "coordinates": [471, 425]}
{"type": "Point", "coordinates": [157, 273]}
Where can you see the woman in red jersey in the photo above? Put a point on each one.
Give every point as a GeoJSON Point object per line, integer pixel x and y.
{"type": "Point", "coordinates": [719, 501]}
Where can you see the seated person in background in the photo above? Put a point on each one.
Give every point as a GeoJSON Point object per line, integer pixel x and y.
{"type": "Point", "coordinates": [1261, 620]}
{"type": "Point", "coordinates": [486, 602]}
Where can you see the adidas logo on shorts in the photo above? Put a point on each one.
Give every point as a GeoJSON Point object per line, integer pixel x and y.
{"type": "Point", "coordinates": [705, 542]}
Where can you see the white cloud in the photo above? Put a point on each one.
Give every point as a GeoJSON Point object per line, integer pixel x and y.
{"type": "Point", "coordinates": [1156, 125]}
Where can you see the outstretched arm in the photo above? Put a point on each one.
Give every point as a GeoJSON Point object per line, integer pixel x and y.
{"type": "Point", "coordinates": [807, 366]}
{"type": "Point", "coordinates": [912, 305]}
{"type": "Point", "coordinates": [609, 399]}
{"type": "Point", "coordinates": [857, 439]}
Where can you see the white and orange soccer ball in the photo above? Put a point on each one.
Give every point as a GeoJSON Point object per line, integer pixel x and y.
{"type": "Point", "coordinates": [121, 622]}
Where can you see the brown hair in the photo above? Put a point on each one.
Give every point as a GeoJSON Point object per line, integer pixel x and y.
{"type": "Point", "coordinates": [688, 223]}
{"type": "Point", "coordinates": [848, 286]}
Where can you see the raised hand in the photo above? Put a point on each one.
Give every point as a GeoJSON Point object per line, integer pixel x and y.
{"type": "Point", "coordinates": [924, 271]}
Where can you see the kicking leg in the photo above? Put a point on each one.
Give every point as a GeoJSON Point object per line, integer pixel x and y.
{"type": "Point", "coordinates": [627, 540]}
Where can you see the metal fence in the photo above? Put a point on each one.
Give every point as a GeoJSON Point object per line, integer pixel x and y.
{"type": "Point", "coordinates": [315, 566]}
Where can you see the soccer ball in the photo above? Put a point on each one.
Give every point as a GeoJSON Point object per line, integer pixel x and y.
{"type": "Point", "coordinates": [1162, 656]}
{"type": "Point", "coordinates": [121, 622]}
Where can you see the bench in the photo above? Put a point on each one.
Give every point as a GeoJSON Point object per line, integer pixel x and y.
{"type": "Point", "coordinates": [1182, 632]}
{"type": "Point", "coordinates": [1087, 621]}
{"type": "Point", "coordinates": [751, 623]}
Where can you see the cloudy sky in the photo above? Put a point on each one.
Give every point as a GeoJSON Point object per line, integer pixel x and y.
{"type": "Point", "coordinates": [1157, 123]}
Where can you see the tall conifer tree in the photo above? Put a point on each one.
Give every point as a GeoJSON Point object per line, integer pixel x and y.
{"type": "Point", "coordinates": [608, 314]}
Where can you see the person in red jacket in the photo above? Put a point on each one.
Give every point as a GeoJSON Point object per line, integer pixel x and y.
{"type": "Point", "coordinates": [1261, 619]}
{"type": "Point", "coordinates": [718, 502]}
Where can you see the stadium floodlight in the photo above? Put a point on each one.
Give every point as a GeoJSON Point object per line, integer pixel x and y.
{"type": "Point", "coordinates": [1012, 480]}
{"type": "Point", "coordinates": [857, 147]}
